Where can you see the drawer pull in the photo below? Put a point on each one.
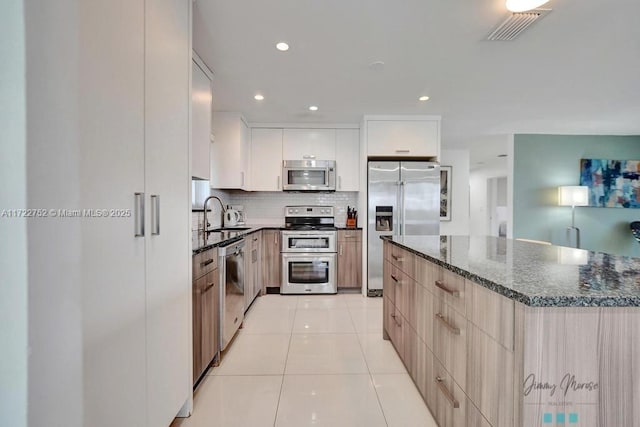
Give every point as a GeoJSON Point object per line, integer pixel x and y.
{"type": "Point", "coordinates": [397, 258]}
{"type": "Point", "coordinates": [395, 319]}
{"type": "Point", "coordinates": [449, 326]}
{"type": "Point", "coordinates": [205, 263]}
{"type": "Point", "coordinates": [255, 239]}
{"type": "Point", "coordinates": [447, 290]}
{"type": "Point", "coordinates": [349, 236]}
{"type": "Point", "coordinates": [209, 286]}
{"type": "Point", "coordinates": [447, 393]}
{"type": "Point", "coordinates": [395, 279]}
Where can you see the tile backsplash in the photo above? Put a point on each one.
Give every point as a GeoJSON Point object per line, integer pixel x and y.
{"type": "Point", "coordinates": [266, 207]}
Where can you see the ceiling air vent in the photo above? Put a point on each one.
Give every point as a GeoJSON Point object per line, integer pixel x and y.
{"type": "Point", "coordinates": [516, 23]}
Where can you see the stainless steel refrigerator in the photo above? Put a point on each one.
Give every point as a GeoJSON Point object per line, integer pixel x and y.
{"type": "Point", "coordinates": [404, 199]}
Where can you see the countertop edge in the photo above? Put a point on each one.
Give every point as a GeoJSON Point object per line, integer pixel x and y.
{"type": "Point", "coordinates": [531, 301]}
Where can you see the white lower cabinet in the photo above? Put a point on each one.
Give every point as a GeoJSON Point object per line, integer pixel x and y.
{"type": "Point", "coordinates": [135, 67]}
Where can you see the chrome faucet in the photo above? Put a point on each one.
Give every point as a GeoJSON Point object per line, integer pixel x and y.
{"type": "Point", "coordinates": [222, 211]}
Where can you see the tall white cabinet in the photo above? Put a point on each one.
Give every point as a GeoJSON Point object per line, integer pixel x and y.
{"type": "Point", "coordinates": [201, 104]}
{"type": "Point", "coordinates": [135, 65]}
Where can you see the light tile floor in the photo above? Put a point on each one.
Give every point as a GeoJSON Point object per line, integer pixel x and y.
{"type": "Point", "coordinates": [310, 360]}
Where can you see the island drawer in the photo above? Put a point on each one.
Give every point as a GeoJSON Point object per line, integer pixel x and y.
{"type": "Point", "coordinates": [450, 340]}
{"type": "Point", "coordinates": [492, 313]}
{"type": "Point", "coordinates": [403, 259]}
{"type": "Point", "coordinates": [204, 262]}
{"type": "Point", "coordinates": [450, 287]}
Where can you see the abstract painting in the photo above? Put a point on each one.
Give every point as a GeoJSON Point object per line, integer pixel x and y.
{"type": "Point", "coordinates": [612, 183]}
{"type": "Point", "coordinates": [445, 193]}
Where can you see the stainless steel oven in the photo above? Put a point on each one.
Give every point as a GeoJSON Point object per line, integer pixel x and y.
{"type": "Point", "coordinates": [309, 175]}
{"type": "Point", "coordinates": [309, 251]}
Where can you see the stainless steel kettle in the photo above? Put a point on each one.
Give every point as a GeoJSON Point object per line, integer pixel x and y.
{"type": "Point", "coordinates": [231, 217]}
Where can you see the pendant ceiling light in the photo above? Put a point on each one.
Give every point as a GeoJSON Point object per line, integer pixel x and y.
{"type": "Point", "coordinates": [524, 5]}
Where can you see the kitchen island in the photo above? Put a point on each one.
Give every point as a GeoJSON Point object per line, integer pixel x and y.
{"type": "Point", "coordinates": [498, 332]}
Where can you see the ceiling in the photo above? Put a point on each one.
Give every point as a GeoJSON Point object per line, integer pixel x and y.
{"type": "Point", "coordinates": [576, 71]}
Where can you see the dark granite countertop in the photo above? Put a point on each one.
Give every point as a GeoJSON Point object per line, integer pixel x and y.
{"type": "Point", "coordinates": [534, 274]}
{"type": "Point", "coordinates": [221, 238]}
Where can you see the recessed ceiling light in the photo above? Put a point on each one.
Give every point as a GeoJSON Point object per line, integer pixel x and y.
{"type": "Point", "coordinates": [313, 108]}
{"type": "Point", "coordinates": [423, 98]}
{"type": "Point", "coordinates": [258, 97]}
{"type": "Point", "coordinates": [282, 46]}
{"type": "Point", "coordinates": [524, 5]}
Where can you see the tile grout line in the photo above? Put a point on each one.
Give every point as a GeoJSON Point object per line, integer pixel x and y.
{"type": "Point", "coordinates": [286, 359]}
{"type": "Point", "coordinates": [364, 356]}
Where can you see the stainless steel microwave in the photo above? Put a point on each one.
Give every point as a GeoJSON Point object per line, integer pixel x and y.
{"type": "Point", "coordinates": [309, 175]}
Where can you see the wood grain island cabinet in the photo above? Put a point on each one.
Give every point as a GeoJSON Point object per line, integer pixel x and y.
{"type": "Point", "coordinates": [496, 332]}
{"type": "Point", "coordinates": [349, 259]}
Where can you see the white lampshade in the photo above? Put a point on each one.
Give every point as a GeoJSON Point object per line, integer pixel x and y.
{"type": "Point", "coordinates": [573, 195]}
{"type": "Point", "coordinates": [524, 5]}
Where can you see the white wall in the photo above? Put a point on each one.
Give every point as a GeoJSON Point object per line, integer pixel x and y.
{"type": "Point", "coordinates": [480, 209]}
{"type": "Point", "coordinates": [13, 244]}
{"type": "Point", "coordinates": [54, 250]}
{"type": "Point", "coordinates": [459, 161]}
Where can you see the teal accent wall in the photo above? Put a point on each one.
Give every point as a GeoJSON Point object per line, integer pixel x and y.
{"type": "Point", "coordinates": [544, 162]}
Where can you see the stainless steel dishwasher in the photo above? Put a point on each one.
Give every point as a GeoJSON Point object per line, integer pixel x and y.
{"type": "Point", "coordinates": [232, 289]}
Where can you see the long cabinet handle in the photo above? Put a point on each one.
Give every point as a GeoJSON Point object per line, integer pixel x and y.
{"type": "Point", "coordinates": [395, 279]}
{"type": "Point", "coordinates": [309, 156]}
{"type": "Point", "coordinates": [397, 258]}
{"type": "Point", "coordinates": [395, 319]}
{"type": "Point", "coordinates": [139, 215]}
{"type": "Point", "coordinates": [339, 183]}
{"type": "Point", "coordinates": [155, 215]}
{"type": "Point", "coordinates": [447, 290]}
{"type": "Point", "coordinates": [403, 151]}
{"type": "Point", "coordinates": [341, 249]}
{"type": "Point", "coordinates": [349, 236]}
{"type": "Point", "coordinates": [205, 263]}
{"type": "Point", "coordinates": [242, 178]}
{"type": "Point", "coordinates": [208, 287]}
{"type": "Point", "coordinates": [453, 329]}
{"type": "Point", "coordinates": [447, 393]}
{"type": "Point", "coordinates": [278, 184]}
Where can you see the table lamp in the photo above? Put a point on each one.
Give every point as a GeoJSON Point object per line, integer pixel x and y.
{"type": "Point", "coordinates": [573, 195]}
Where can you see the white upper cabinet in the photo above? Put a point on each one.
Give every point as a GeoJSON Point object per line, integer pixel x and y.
{"type": "Point", "coordinates": [348, 159]}
{"type": "Point", "coordinates": [309, 144]}
{"type": "Point", "coordinates": [406, 138]}
{"type": "Point", "coordinates": [266, 159]}
{"type": "Point", "coordinates": [200, 122]}
{"type": "Point", "coordinates": [230, 151]}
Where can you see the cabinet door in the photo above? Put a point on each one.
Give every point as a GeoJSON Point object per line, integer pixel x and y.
{"type": "Point", "coordinates": [266, 159]}
{"type": "Point", "coordinates": [256, 252]}
{"type": "Point", "coordinates": [349, 264]}
{"type": "Point", "coordinates": [403, 138]}
{"type": "Point", "coordinates": [110, 49]}
{"type": "Point", "coordinates": [196, 315]}
{"type": "Point", "coordinates": [309, 144]}
{"type": "Point", "coordinates": [168, 290]}
{"type": "Point", "coordinates": [229, 151]}
{"type": "Point", "coordinates": [348, 159]}
{"type": "Point", "coordinates": [200, 122]}
{"type": "Point", "coordinates": [271, 258]}
{"type": "Point", "coordinates": [210, 300]}
{"type": "Point", "coordinates": [248, 276]}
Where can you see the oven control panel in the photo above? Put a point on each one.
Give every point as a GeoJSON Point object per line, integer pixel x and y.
{"type": "Point", "coordinates": [309, 211]}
